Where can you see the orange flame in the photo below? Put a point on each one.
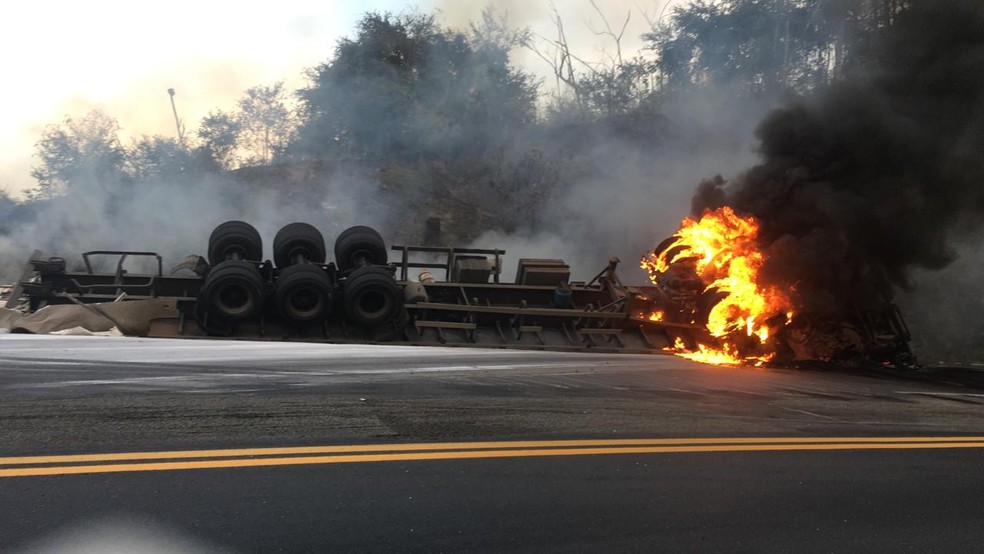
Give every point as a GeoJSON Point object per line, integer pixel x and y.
{"type": "Point", "coordinates": [722, 250]}
{"type": "Point", "coordinates": [725, 355]}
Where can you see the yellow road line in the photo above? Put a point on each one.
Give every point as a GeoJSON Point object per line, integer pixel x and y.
{"type": "Point", "coordinates": [470, 454]}
{"type": "Point", "coordinates": [422, 447]}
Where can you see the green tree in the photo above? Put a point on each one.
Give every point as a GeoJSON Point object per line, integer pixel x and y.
{"type": "Point", "coordinates": [159, 158]}
{"type": "Point", "coordinates": [257, 132]}
{"type": "Point", "coordinates": [403, 88]}
{"type": "Point", "coordinates": [79, 151]}
{"type": "Point", "coordinates": [619, 89]}
{"type": "Point", "coordinates": [265, 123]}
{"type": "Point", "coordinates": [767, 46]}
{"type": "Point", "coordinates": [763, 46]}
{"type": "Point", "coordinates": [219, 136]}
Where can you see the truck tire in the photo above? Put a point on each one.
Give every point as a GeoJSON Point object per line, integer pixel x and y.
{"type": "Point", "coordinates": [705, 303]}
{"type": "Point", "coordinates": [371, 297]}
{"type": "Point", "coordinates": [357, 246]}
{"type": "Point", "coordinates": [298, 239]}
{"type": "Point", "coordinates": [303, 294]}
{"type": "Point", "coordinates": [232, 292]}
{"type": "Point", "coordinates": [232, 239]}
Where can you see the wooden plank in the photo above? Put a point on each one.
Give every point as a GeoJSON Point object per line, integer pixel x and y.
{"type": "Point", "coordinates": [545, 312]}
{"type": "Point", "coordinates": [447, 249]}
{"type": "Point", "coordinates": [445, 325]}
{"type": "Point", "coordinates": [599, 331]}
{"type": "Point", "coordinates": [509, 310]}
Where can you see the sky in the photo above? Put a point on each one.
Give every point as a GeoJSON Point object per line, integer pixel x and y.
{"type": "Point", "coordinates": [65, 58]}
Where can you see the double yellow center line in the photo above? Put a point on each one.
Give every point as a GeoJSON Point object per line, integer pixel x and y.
{"type": "Point", "coordinates": [25, 466]}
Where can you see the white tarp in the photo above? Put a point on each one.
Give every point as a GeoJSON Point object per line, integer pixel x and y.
{"type": "Point", "coordinates": [131, 317]}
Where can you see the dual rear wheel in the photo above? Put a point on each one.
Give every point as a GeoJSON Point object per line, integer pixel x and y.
{"type": "Point", "coordinates": [303, 294]}
{"type": "Point", "coordinates": [298, 243]}
{"type": "Point", "coordinates": [371, 296]}
{"type": "Point", "coordinates": [233, 290]}
{"type": "Point", "coordinates": [303, 291]}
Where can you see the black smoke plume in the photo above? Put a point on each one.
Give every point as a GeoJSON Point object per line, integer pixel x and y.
{"type": "Point", "coordinates": [879, 174]}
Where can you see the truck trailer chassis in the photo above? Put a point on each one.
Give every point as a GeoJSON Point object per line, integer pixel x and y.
{"type": "Point", "coordinates": [426, 296]}
{"type": "Point", "coordinates": [467, 306]}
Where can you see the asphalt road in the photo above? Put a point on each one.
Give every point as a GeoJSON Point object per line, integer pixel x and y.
{"type": "Point", "coordinates": [258, 447]}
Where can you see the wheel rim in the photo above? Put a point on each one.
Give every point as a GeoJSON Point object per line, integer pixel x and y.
{"type": "Point", "coordinates": [233, 299]}
{"type": "Point", "coordinates": [373, 304]}
{"type": "Point", "coordinates": [304, 303]}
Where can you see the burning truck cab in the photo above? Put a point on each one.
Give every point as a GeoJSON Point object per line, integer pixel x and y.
{"type": "Point", "coordinates": [713, 267]}
{"type": "Point", "coordinates": [703, 301]}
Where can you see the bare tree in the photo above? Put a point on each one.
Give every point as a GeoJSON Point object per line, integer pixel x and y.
{"type": "Point", "coordinates": [607, 87]}
{"type": "Point", "coordinates": [607, 31]}
{"type": "Point", "coordinates": [557, 54]}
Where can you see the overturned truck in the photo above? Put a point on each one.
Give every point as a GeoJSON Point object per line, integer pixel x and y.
{"type": "Point", "coordinates": [427, 295]}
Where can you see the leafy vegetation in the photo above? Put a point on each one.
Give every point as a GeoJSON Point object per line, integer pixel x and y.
{"type": "Point", "coordinates": [404, 89]}
{"type": "Point", "coordinates": [449, 106]}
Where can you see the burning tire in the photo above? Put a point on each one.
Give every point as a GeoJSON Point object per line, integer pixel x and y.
{"type": "Point", "coordinates": [232, 292]}
{"type": "Point", "coordinates": [705, 302]}
{"type": "Point", "coordinates": [234, 240]}
{"type": "Point", "coordinates": [371, 297]}
{"type": "Point", "coordinates": [298, 243]}
{"type": "Point", "coordinates": [303, 294]}
{"type": "Point", "coordinates": [358, 246]}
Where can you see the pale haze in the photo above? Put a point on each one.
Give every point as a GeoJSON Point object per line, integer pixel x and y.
{"type": "Point", "coordinates": [64, 59]}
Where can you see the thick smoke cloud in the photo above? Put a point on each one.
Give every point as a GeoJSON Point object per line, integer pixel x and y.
{"type": "Point", "coordinates": [175, 219]}
{"type": "Point", "coordinates": [945, 308]}
{"type": "Point", "coordinates": [873, 178]}
{"type": "Point", "coordinates": [624, 190]}
{"type": "Point", "coordinates": [616, 187]}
